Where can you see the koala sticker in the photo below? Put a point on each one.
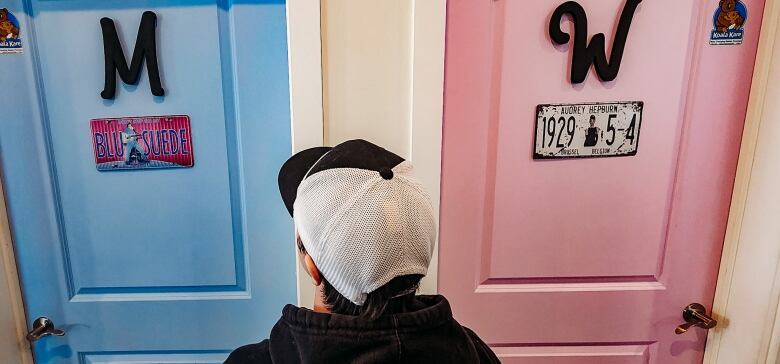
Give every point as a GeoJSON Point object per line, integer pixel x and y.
{"type": "Point", "coordinates": [10, 38]}
{"type": "Point", "coordinates": [729, 23]}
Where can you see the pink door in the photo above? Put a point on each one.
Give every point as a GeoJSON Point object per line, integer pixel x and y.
{"type": "Point", "coordinates": [588, 260]}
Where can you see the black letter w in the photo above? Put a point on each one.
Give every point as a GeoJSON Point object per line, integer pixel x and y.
{"type": "Point", "coordinates": [145, 48]}
{"type": "Point", "coordinates": [594, 53]}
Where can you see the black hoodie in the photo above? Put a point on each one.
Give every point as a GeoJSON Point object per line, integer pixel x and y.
{"type": "Point", "coordinates": [428, 334]}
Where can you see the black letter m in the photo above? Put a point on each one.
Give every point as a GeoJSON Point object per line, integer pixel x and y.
{"type": "Point", "coordinates": [145, 48]}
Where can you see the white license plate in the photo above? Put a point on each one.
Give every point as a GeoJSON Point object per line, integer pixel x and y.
{"type": "Point", "coordinates": [587, 130]}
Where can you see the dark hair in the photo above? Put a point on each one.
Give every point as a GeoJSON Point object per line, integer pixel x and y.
{"type": "Point", "coordinates": [394, 297]}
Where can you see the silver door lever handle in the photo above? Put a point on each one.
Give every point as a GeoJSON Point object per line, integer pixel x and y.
{"type": "Point", "coordinates": [42, 326]}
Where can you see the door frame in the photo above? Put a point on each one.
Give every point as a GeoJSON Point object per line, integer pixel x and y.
{"type": "Point", "coordinates": [733, 275]}
{"type": "Point", "coordinates": [11, 294]}
{"type": "Point", "coordinates": [309, 104]}
{"type": "Point", "coordinates": [304, 48]}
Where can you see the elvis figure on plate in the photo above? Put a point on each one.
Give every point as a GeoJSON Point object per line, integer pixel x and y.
{"type": "Point", "coordinates": [130, 142]}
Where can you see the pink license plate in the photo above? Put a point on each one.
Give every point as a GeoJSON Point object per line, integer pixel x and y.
{"type": "Point", "coordinates": [143, 142]}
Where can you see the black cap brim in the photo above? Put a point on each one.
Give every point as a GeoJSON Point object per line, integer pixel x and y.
{"type": "Point", "coordinates": [355, 153]}
{"type": "Point", "coordinates": [294, 170]}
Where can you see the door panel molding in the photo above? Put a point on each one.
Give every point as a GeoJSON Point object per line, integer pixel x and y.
{"type": "Point", "coordinates": [568, 353]}
{"type": "Point", "coordinates": [234, 227]}
{"type": "Point", "coordinates": [162, 357]}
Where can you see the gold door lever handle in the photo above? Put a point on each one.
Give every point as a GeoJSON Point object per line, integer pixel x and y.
{"type": "Point", "coordinates": [695, 314]}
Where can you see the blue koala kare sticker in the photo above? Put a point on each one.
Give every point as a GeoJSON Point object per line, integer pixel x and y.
{"type": "Point", "coordinates": [729, 23]}
{"type": "Point", "coordinates": [10, 39]}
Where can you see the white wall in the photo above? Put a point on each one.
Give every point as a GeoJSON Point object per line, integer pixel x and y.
{"type": "Point", "coordinates": [382, 80]}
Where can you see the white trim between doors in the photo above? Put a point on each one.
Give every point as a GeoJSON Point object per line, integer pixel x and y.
{"type": "Point", "coordinates": [305, 62]}
{"type": "Point", "coordinates": [371, 69]}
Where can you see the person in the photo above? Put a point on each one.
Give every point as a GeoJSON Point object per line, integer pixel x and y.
{"type": "Point", "coordinates": [130, 140]}
{"type": "Point", "coordinates": [592, 135]}
{"type": "Point", "coordinates": [365, 230]}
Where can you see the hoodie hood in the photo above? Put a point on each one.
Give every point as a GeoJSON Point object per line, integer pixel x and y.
{"type": "Point", "coordinates": [428, 334]}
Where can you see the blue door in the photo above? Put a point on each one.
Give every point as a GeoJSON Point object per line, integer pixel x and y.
{"type": "Point", "coordinates": [156, 265]}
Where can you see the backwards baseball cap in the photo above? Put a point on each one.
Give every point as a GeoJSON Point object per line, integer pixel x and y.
{"type": "Point", "coordinates": [361, 214]}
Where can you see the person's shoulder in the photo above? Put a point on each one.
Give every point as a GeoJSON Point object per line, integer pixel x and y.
{"type": "Point", "coordinates": [251, 354]}
{"type": "Point", "coordinates": [486, 355]}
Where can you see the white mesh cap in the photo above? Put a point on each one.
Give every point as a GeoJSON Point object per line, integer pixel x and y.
{"type": "Point", "coordinates": [362, 229]}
